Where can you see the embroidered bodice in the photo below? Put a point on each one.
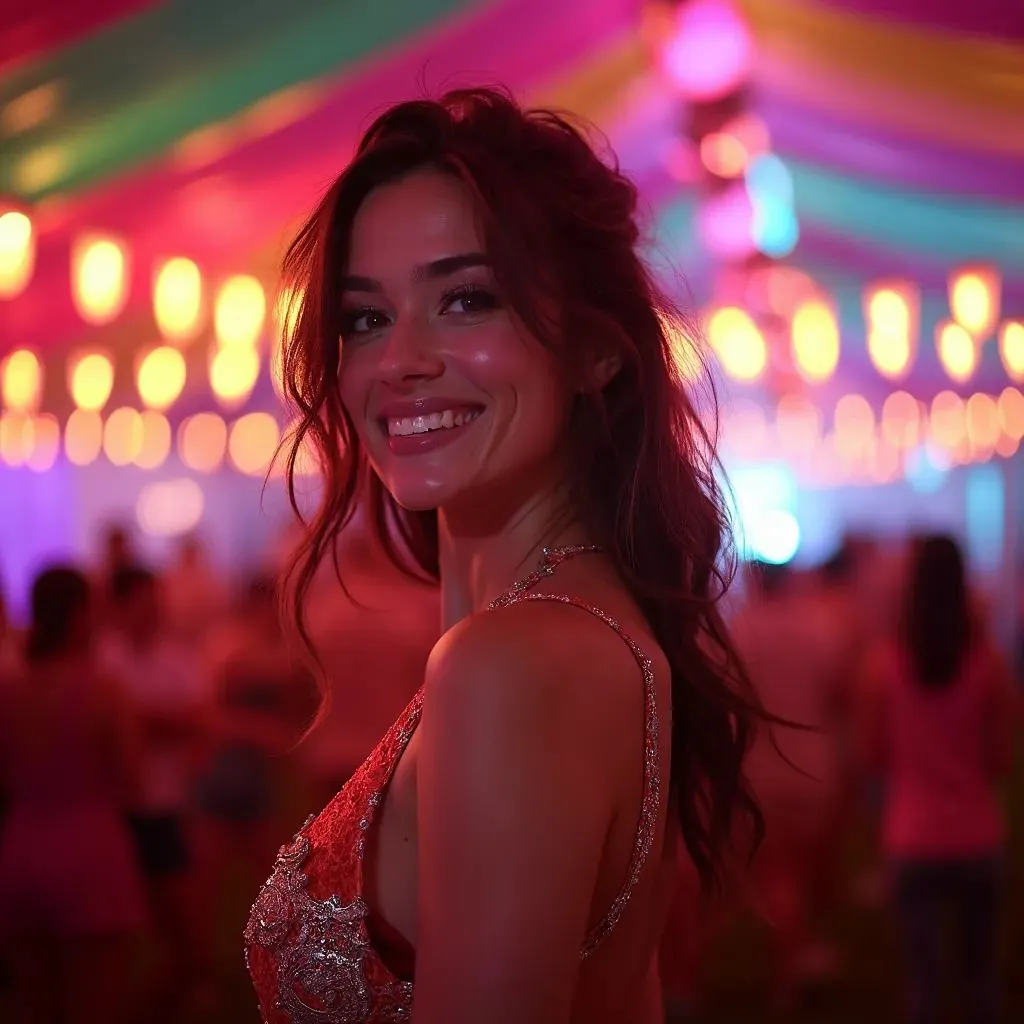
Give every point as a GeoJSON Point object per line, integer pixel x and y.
{"type": "Point", "coordinates": [308, 942]}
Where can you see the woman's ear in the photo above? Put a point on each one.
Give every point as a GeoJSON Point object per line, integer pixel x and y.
{"type": "Point", "coordinates": [601, 372]}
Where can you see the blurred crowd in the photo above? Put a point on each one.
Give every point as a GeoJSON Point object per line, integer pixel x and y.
{"type": "Point", "coordinates": [151, 763]}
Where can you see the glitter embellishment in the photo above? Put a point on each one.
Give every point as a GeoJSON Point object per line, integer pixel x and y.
{"type": "Point", "coordinates": [322, 967]}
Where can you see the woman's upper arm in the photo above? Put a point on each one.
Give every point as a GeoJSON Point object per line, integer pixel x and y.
{"type": "Point", "coordinates": [512, 819]}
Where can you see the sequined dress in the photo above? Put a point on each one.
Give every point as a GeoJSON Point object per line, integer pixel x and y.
{"type": "Point", "coordinates": [308, 943]}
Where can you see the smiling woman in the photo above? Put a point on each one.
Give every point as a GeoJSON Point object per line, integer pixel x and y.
{"type": "Point", "coordinates": [483, 360]}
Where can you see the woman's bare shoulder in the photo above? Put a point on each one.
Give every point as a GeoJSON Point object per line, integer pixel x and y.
{"type": "Point", "coordinates": [538, 654]}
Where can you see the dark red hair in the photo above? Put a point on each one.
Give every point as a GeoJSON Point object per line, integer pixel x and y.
{"type": "Point", "coordinates": [561, 231]}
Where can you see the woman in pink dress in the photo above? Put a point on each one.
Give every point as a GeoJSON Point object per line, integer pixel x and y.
{"type": "Point", "coordinates": [71, 900]}
{"type": "Point", "coordinates": [939, 724]}
{"type": "Point", "coordinates": [483, 358]}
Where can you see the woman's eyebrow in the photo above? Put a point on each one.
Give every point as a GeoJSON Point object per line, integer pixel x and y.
{"type": "Point", "coordinates": [443, 267]}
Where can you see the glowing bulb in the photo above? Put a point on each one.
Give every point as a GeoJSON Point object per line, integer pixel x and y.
{"type": "Point", "coordinates": [958, 351]}
{"type": "Point", "coordinates": [83, 437]}
{"type": "Point", "coordinates": [234, 371]}
{"type": "Point", "coordinates": [1011, 413]}
{"type": "Point", "coordinates": [123, 436]}
{"type": "Point", "coordinates": [901, 420]}
{"type": "Point", "coordinates": [815, 338]}
{"type": "Point", "coordinates": [240, 311]}
{"type": "Point", "coordinates": [156, 440]}
{"type": "Point", "coordinates": [202, 440]}
{"type": "Point", "coordinates": [948, 420]}
{"type": "Point", "coordinates": [891, 312]}
{"type": "Point", "coordinates": [90, 380]}
{"type": "Point", "coordinates": [17, 253]}
{"type": "Point", "coordinates": [99, 279]}
{"type": "Point", "coordinates": [45, 443]}
{"type": "Point", "coordinates": [22, 381]}
{"type": "Point", "coordinates": [177, 299]}
{"type": "Point", "coordinates": [252, 442]}
{"type": "Point", "coordinates": [1011, 348]}
{"type": "Point", "coordinates": [974, 299]}
{"type": "Point", "coordinates": [738, 343]}
{"type": "Point", "coordinates": [161, 377]}
{"type": "Point", "coordinates": [982, 418]}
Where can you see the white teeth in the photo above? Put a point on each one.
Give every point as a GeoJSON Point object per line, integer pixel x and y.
{"type": "Point", "coordinates": [446, 420]}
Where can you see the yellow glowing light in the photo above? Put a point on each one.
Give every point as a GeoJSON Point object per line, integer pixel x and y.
{"type": "Point", "coordinates": [83, 437]}
{"type": "Point", "coordinates": [1011, 413]}
{"type": "Point", "coordinates": [45, 443]}
{"type": "Point", "coordinates": [99, 279]}
{"type": "Point", "coordinates": [122, 436]}
{"type": "Point", "coordinates": [815, 338]}
{"type": "Point", "coordinates": [22, 383]}
{"type": "Point", "coordinates": [252, 442]}
{"type": "Point", "coordinates": [948, 420]}
{"type": "Point", "coordinates": [234, 371]}
{"type": "Point", "coordinates": [890, 310]}
{"type": "Point", "coordinates": [169, 508]}
{"type": "Point", "coordinates": [240, 311]}
{"type": "Point", "coordinates": [202, 440]}
{"type": "Point", "coordinates": [17, 253]}
{"type": "Point", "coordinates": [90, 380]}
{"type": "Point", "coordinates": [958, 351]}
{"type": "Point", "coordinates": [161, 377]}
{"type": "Point", "coordinates": [901, 420]}
{"type": "Point", "coordinates": [738, 343]}
{"type": "Point", "coordinates": [156, 440]}
{"type": "Point", "coordinates": [1011, 348]}
{"type": "Point", "coordinates": [178, 299]}
{"type": "Point", "coordinates": [974, 299]}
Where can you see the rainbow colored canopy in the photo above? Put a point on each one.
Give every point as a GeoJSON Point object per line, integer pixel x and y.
{"type": "Point", "coordinates": [207, 127]}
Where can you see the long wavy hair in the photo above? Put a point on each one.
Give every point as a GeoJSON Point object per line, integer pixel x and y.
{"type": "Point", "coordinates": [938, 627]}
{"type": "Point", "coordinates": [560, 227]}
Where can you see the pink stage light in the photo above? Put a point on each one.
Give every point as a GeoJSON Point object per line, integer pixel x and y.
{"type": "Point", "coordinates": [711, 51]}
{"type": "Point", "coordinates": [725, 223]}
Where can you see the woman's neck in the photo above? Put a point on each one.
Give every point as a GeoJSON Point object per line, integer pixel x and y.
{"type": "Point", "coordinates": [477, 564]}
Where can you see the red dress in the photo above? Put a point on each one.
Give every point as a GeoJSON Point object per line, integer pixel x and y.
{"type": "Point", "coordinates": [310, 940]}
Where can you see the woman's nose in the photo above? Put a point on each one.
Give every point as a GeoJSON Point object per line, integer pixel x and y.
{"type": "Point", "coordinates": [408, 355]}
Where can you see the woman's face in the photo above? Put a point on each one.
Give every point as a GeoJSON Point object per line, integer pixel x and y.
{"type": "Point", "coordinates": [453, 400]}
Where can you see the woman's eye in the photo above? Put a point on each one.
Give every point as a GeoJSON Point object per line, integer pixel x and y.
{"type": "Point", "coordinates": [469, 300]}
{"type": "Point", "coordinates": [362, 321]}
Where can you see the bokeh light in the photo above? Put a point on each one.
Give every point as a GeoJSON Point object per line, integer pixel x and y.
{"type": "Point", "coordinates": [234, 371]}
{"type": "Point", "coordinates": [169, 508]}
{"type": "Point", "coordinates": [21, 386]}
{"type": "Point", "coordinates": [123, 436]}
{"type": "Point", "coordinates": [17, 253]}
{"type": "Point", "coordinates": [178, 299]}
{"type": "Point", "coordinates": [958, 351]}
{"type": "Point", "coordinates": [240, 311]}
{"type": "Point", "coordinates": [202, 440]}
{"type": "Point", "coordinates": [156, 440]}
{"type": "Point", "coordinates": [161, 377]}
{"type": "Point", "coordinates": [83, 437]}
{"type": "Point", "coordinates": [815, 339]}
{"type": "Point", "coordinates": [710, 51]}
{"type": "Point", "coordinates": [99, 279]}
{"type": "Point", "coordinates": [1011, 348]}
{"type": "Point", "coordinates": [739, 345]}
{"type": "Point", "coordinates": [974, 299]}
{"type": "Point", "coordinates": [252, 442]}
{"type": "Point", "coordinates": [90, 380]}
{"type": "Point", "coordinates": [45, 444]}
